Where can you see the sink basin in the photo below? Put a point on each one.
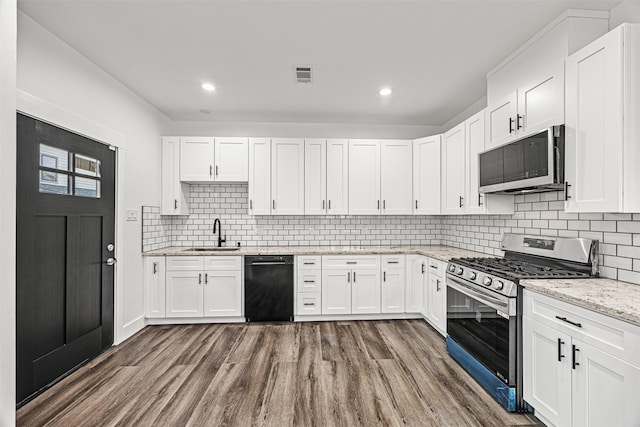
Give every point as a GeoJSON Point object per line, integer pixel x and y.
{"type": "Point", "coordinates": [211, 249]}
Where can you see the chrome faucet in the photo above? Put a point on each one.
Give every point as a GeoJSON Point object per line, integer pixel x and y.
{"type": "Point", "coordinates": [219, 228]}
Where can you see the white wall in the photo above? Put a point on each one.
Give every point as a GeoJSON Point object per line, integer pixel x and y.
{"type": "Point", "coordinates": [56, 74]}
{"type": "Point", "coordinates": [8, 211]}
{"type": "Point", "coordinates": [300, 130]}
{"type": "Point", "coordinates": [626, 11]}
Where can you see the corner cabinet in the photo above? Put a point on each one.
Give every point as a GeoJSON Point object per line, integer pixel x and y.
{"type": "Point", "coordinates": [580, 368]}
{"type": "Point", "coordinates": [287, 176]}
{"type": "Point", "coordinates": [174, 193]}
{"type": "Point", "coordinates": [259, 176]}
{"type": "Point", "coordinates": [602, 127]}
{"type": "Point", "coordinates": [426, 175]}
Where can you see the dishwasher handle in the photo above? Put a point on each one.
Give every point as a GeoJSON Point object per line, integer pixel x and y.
{"type": "Point", "coordinates": [268, 263]}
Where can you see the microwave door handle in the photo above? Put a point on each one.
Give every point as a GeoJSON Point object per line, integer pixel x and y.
{"type": "Point", "coordinates": [487, 300]}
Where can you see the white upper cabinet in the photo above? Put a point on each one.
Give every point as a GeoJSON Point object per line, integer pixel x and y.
{"type": "Point", "coordinates": [453, 170]}
{"type": "Point", "coordinates": [175, 194]}
{"type": "Point", "coordinates": [530, 108]}
{"type": "Point", "coordinates": [426, 175]}
{"type": "Point", "coordinates": [364, 177]}
{"type": "Point", "coordinates": [287, 176]}
{"type": "Point", "coordinates": [337, 177]}
{"type": "Point", "coordinates": [396, 177]}
{"type": "Point", "coordinates": [315, 176]}
{"type": "Point", "coordinates": [474, 202]}
{"type": "Point", "coordinates": [231, 159]}
{"type": "Point", "coordinates": [602, 150]}
{"type": "Point", "coordinates": [259, 176]}
{"type": "Point", "coordinates": [196, 159]}
{"type": "Point", "coordinates": [500, 120]}
{"type": "Point", "coordinates": [213, 159]}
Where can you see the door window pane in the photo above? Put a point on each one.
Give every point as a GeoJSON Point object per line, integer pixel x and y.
{"type": "Point", "coordinates": [54, 182]}
{"type": "Point", "coordinates": [55, 158]}
{"type": "Point", "coordinates": [86, 165]}
{"type": "Point", "coordinates": [87, 187]}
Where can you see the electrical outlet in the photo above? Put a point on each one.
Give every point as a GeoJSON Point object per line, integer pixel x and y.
{"type": "Point", "coordinates": [132, 214]}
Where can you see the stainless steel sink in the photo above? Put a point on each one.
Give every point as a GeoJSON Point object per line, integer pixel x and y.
{"type": "Point", "coordinates": [211, 249]}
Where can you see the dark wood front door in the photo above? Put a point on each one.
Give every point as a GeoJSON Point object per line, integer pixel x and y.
{"type": "Point", "coordinates": [65, 233]}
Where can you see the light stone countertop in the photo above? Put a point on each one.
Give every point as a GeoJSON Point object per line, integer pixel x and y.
{"type": "Point", "coordinates": [442, 253]}
{"type": "Point", "coordinates": [606, 296]}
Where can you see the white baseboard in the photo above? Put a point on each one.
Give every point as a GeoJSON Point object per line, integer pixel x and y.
{"type": "Point", "coordinates": [131, 328]}
{"type": "Point", "coordinates": [343, 317]}
{"type": "Point", "coordinates": [194, 320]}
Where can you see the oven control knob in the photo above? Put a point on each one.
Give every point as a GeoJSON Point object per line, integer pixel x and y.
{"type": "Point", "coordinates": [471, 275]}
{"type": "Point", "coordinates": [452, 268]}
{"type": "Point", "coordinates": [499, 284]}
{"type": "Point", "coordinates": [459, 271]}
{"type": "Point", "coordinates": [487, 281]}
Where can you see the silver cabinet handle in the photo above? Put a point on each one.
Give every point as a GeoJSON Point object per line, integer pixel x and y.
{"type": "Point", "coordinates": [199, 278]}
{"type": "Point", "coordinates": [437, 285]}
{"type": "Point", "coordinates": [309, 281]}
{"type": "Point", "coordinates": [349, 277]}
{"type": "Point", "coordinates": [329, 204]}
{"type": "Point", "coordinates": [384, 276]}
{"type": "Point", "coordinates": [393, 262]}
{"type": "Point", "coordinates": [273, 202]}
{"type": "Point", "coordinates": [206, 278]}
{"type": "Point", "coordinates": [423, 268]}
{"type": "Point", "coordinates": [155, 267]}
{"type": "Point", "coordinates": [111, 261]}
{"type": "Point", "coordinates": [416, 204]}
{"type": "Point", "coordinates": [354, 277]}
{"type": "Point", "coordinates": [210, 170]}
{"type": "Point", "coordinates": [378, 204]}
{"type": "Point", "coordinates": [384, 204]}
{"type": "Point", "coordinates": [216, 170]}
{"type": "Point", "coordinates": [175, 204]}
{"type": "Point", "coordinates": [309, 263]}
{"type": "Point", "coordinates": [309, 304]}
{"type": "Point", "coordinates": [250, 204]}
{"type": "Point", "coordinates": [323, 204]}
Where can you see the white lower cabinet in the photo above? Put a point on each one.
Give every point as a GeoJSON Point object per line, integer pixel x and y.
{"type": "Point", "coordinates": [351, 284]}
{"type": "Point", "coordinates": [154, 287]}
{"type": "Point", "coordinates": [308, 285]}
{"type": "Point", "coordinates": [584, 373]}
{"type": "Point", "coordinates": [437, 299]}
{"type": "Point", "coordinates": [193, 291]}
{"type": "Point", "coordinates": [393, 285]}
{"type": "Point", "coordinates": [416, 278]}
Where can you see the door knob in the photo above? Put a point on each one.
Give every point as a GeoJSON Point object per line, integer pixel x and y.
{"type": "Point", "coordinates": [111, 261]}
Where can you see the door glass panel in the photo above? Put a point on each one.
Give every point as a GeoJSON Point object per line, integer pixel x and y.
{"type": "Point", "coordinates": [54, 182]}
{"type": "Point", "coordinates": [87, 166]}
{"type": "Point", "coordinates": [54, 158]}
{"type": "Point", "coordinates": [87, 187]}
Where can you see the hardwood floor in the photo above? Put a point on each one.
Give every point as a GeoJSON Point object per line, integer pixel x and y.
{"type": "Point", "coordinates": [393, 373]}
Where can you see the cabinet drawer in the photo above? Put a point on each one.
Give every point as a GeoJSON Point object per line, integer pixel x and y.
{"type": "Point", "coordinates": [436, 267]}
{"type": "Point", "coordinates": [613, 336]}
{"type": "Point", "coordinates": [351, 262]}
{"type": "Point", "coordinates": [185, 263]}
{"type": "Point", "coordinates": [309, 262]}
{"type": "Point", "coordinates": [223, 263]}
{"type": "Point", "coordinates": [309, 304]}
{"type": "Point", "coordinates": [309, 280]}
{"type": "Point", "coordinates": [393, 261]}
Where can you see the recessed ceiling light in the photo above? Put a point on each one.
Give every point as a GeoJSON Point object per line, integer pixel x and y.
{"type": "Point", "coordinates": [208, 87]}
{"type": "Point", "coordinates": [385, 91]}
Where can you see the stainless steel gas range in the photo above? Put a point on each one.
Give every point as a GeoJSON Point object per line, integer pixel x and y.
{"type": "Point", "coordinates": [484, 305]}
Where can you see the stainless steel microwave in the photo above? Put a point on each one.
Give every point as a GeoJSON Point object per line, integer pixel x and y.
{"type": "Point", "coordinates": [532, 164]}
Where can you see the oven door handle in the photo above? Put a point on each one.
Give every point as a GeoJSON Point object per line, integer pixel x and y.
{"type": "Point", "coordinates": [488, 300]}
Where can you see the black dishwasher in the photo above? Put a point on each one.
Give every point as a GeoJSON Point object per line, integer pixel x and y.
{"type": "Point", "coordinates": [268, 288]}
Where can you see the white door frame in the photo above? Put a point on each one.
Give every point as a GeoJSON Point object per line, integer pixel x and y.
{"type": "Point", "coordinates": [42, 110]}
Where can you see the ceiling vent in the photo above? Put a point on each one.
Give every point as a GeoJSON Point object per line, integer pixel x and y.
{"type": "Point", "coordinates": [303, 74]}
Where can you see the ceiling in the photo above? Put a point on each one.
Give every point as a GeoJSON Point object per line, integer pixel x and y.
{"type": "Point", "coordinates": [434, 54]}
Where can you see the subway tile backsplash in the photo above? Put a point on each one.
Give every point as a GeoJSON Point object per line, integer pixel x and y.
{"type": "Point", "coordinates": [537, 214]}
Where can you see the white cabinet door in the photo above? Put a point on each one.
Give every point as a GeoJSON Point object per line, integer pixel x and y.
{"type": "Point", "coordinates": [336, 291]}
{"type": "Point", "coordinates": [541, 102]}
{"type": "Point", "coordinates": [453, 170]}
{"type": "Point", "coordinates": [365, 291]}
{"type": "Point", "coordinates": [416, 271]}
{"type": "Point", "coordinates": [364, 177]}
{"type": "Point", "coordinates": [315, 176]}
{"type": "Point", "coordinates": [196, 159]}
{"type": "Point", "coordinates": [154, 287]}
{"type": "Point", "coordinates": [426, 175]}
{"type": "Point", "coordinates": [396, 174]}
{"type": "Point", "coordinates": [501, 121]}
{"type": "Point", "coordinates": [175, 194]}
{"type": "Point", "coordinates": [474, 133]}
{"type": "Point", "coordinates": [337, 176]}
{"type": "Point", "coordinates": [231, 159]}
{"type": "Point", "coordinates": [222, 293]}
{"type": "Point", "coordinates": [603, 389]}
{"type": "Point", "coordinates": [392, 291]}
{"type": "Point", "coordinates": [547, 371]}
{"type": "Point", "coordinates": [184, 293]}
{"type": "Point", "coordinates": [594, 150]}
{"type": "Point", "coordinates": [287, 176]}
{"type": "Point", "coordinates": [259, 176]}
{"type": "Point", "coordinates": [438, 303]}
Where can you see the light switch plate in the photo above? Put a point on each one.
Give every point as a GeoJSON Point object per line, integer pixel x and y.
{"type": "Point", "coordinates": [132, 214]}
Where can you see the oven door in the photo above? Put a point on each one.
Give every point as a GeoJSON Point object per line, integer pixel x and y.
{"type": "Point", "coordinates": [485, 325]}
